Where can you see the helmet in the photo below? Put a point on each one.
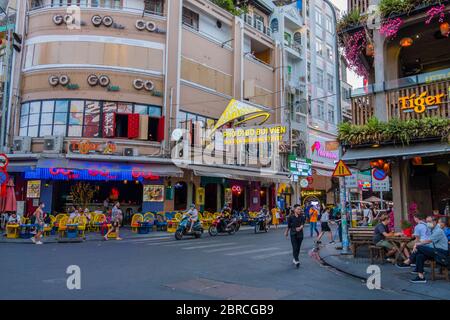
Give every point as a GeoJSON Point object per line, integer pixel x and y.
{"type": "Point", "coordinates": [192, 206]}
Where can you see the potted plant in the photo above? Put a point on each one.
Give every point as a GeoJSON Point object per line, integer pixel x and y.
{"type": "Point", "coordinates": [407, 228]}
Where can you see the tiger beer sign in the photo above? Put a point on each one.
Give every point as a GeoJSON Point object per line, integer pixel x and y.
{"type": "Point", "coordinates": [419, 104]}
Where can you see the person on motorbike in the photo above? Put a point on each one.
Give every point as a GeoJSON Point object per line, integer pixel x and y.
{"type": "Point", "coordinates": [224, 217]}
{"type": "Point", "coordinates": [193, 213]}
{"type": "Point", "coordinates": [264, 213]}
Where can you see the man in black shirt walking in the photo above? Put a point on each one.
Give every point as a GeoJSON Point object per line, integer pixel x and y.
{"type": "Point", "coordinates": [296, 223]}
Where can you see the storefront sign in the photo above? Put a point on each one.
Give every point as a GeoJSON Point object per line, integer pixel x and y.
{"type": "Point", "coordinates": [351, 182]}
{"type": "Point", "coordinates": [365, 180]}
{"type": "Point", "coordinates": [101, 174]}
{"type": "Point", "coordinates": [312, 193]}
{"type": "Point", "coordinates": [34, 189]}
{"type": "Point", "coordinates": [254, 135]}
{"type": "Point", "coordinates": [319, 149]}
{"type": "Point", "coordinates": [228, 196]}
{"type": "Point", "coordinates": [200, 199]}
{"type": "Point", "coordinates": [238, 110]}
{"type": "Point", "coordinates": [419, 104]}
{"type": "Point", "coordinates": [153, 193]}
{"type": "Point", "coordinates": [86, 147]}
{"type": "Point", "coordinates": [300, 166]}
{"type": "Point", "coordinates": [236, 189]}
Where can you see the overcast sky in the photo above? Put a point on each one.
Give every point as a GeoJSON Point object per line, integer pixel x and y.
{"type": "Point", "coordinates": [353, 79]}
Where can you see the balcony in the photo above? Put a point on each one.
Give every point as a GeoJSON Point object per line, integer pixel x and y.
{"type": "Point", "coordinates": [415, 97]}
{"type": "Point", "coordinates": [257, 24]}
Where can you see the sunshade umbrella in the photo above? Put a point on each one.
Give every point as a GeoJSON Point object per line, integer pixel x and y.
{"type": "Point", "coordinates": [9, 203]}
{"type": "Point", "coordinates": [374, 199]}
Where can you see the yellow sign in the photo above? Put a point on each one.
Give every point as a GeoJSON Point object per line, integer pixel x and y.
{"type": "Point", "coordinates": [420, 103]}
{"type": "Point", "coordinates": [200, 200]}
{"type": "Point", "coordinates": [237, 109]}
{"type": "Point", "coordinates": [341, 170]}
{"type": "Point", "coordinates": [34, 189]}
{"type": "Point", "coordinates": [254, 135]}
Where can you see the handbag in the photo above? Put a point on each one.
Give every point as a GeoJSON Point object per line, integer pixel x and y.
{"type": "Point", "coordinates": [440, 257]}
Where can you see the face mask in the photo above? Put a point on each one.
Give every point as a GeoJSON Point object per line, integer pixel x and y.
{"type": "Point", "coordinates": [430, 225]}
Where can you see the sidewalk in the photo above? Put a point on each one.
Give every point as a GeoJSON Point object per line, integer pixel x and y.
{"type": "Point", "coordinates": [125, 233]}
{"type": "Point", "coordinates": [392, 278]}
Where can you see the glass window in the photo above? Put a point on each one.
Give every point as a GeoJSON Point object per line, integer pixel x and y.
{"type": "Point", "coordinates": [330, 113]}
{"type": "Point", "coordinates": [60, 118]}
{"type": "Point", "coordinates": [59, 130]}
{"type": "Point", "coordinates": [330, 81]}
{"type": "Point", "coordinates": [33, 131]}
{"type": "Point", "coordinates": [48, 106]}
{"type": "Point", "coordinates": [190, 18]}
{"type": "Point", "coordinates": [320, 110]}
{"type": "Point", "coordinates": [74, 131]}
{"type": "Point", "coordinates": [320, 78]}
{"type": "Point", "coordinates": [124, 108]}
{"type": "Point", "coordinates": [91, 119]}
{"type": "Point", "coordinates": [24, 121]}
{"type": "Point", "coordinates": [34, 119]}
{"type": "Point", "coordinates": [141, 109]}
{"type": "Point", "coordinates": [45, 131]}
{"type": "Point", "coordinates": [25, 109]}
{"type": "Point", "coordinates": [318, 16]}
{"type": "Point", "coordinates": [61, 106]}
{"type": "Point", "coordinates": [47, 118]}
{"type": "Point", "coordinates": [23, 132]}
{"type": "Point", "coordinates": [76, 106]}
{"type": "Point", "coordinates": [319, 47]}
{"type": "Point", "coordinates": [329, 24]}
{"type": "Point", "coordinates": [76, 118]}
{"type": "Point", "coordinates": [109, 107]}
{"type": "Point", "coordinates": [154, 111]}
{"type": "Point", "coordinates": [329, 52]}
{"type": "Point", "coordinates": [154, 6]}
{"type": "Point", "coordinates": [35, 107]}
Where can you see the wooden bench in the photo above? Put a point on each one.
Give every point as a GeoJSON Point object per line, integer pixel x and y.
{"type": "Point", "coordinates": [376, 253]}
{"type": "Point", "coordinates": [360, 236]}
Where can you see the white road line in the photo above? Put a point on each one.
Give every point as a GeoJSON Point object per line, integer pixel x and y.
{"type": "Point", "coordinates": [225, 249]}
{"type": "Point", "coordinates": [176, 243]}
{"type": "Point", "coordinates": [251, 251]}
{"type": "Point", "coordinates": [147, 239]}
{"type": "Point", "coordinates": [210, 246]}
{"type": "Point", "coordinates": [271, 255]}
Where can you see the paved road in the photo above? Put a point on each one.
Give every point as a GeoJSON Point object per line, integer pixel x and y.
{"type": "Point", "coordinates": [243, 266]}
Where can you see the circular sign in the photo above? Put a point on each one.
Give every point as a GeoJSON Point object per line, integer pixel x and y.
{"type": "Point", "coordinates": [3, 177]}
{"type": "Point", "coordinates": [310, 179]}
{"type": "Point", "coordinates": [379, 174]}
{"type": "Point", "coordinates": [3, 161]}
{"type": "Point", "coordinates": [304, 183]}
{"type": "Point", "coordinates": [177, 134]}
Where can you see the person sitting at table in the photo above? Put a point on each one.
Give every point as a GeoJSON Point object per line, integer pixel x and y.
{"type": "Point", "coordinates": [381, 232]}
{"type": "Point", "coordinates": [429, 249]}
{"type": "Point", "coordinates": [13, 219]}
{"type": "Point", "coordinates": [72, 214]}
{"type": "Point", "coordinates": [364, 222]}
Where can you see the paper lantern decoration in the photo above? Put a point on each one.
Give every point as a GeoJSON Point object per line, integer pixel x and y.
{"type": "Point", "coordinates": [406, 42]}
{"type": "Point", "coordinates": [416, 161]}
{"type": "Point", "coordinates": [380, 163]}
{"type": "Point", "coordinates": [445, 29]}
{"type": "Point", "coordinates": [386, 167]}
{"type": "Point", "coordinates": [374, 164]}
{"type": "Point", "coordinates": [370, 50]}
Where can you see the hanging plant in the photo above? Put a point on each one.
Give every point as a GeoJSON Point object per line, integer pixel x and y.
{"type": "Point", "coordinates": [437, 11]}
{"type": "Point", "coordinates": [353, 49]}
{"type": "Point", "coordinates": [389, 28]}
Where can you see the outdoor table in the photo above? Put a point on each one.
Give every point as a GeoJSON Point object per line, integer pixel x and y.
{"type": "Point", "coordinates": [144, 227]}
{"type": "Point", "coordinates": [72, 230]}
{"type": "Point", "coordinates": [25, 230]}
{"type": "Point", "coordinates": [399, 243]}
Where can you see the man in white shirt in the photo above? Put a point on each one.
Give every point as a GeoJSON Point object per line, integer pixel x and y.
{"type": "Point", "coordinates": [194, 216]}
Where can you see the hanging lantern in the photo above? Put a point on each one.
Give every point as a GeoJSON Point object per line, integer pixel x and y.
{"type": "Point", "coordinates": [374, 164]}
{"type": "Point", "coordinates": [445, 29]}
{"type": "Point", "coordinates": [416, 161]}
{"type": "Point", "coordinates": [406, 42]}
{"type": "Point", "coordinates": [386, 167]}
{"type": "Point", "coordinates": [380, 163]}
{"type": "Point", "coordinates": [370, 50]}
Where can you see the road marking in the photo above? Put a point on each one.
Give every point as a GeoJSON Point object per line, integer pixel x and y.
{"type": "Point", "coordinates": [225, 249]}
{"type": "Point", "coordinates": [175, 243]}
{"type": "Point", "coordinates": [271, 255]}
{"type": "Point", "coordinates": [251, 251]}
{"type": "Point", "coordinates": [147, 239]}
{"type": "Point", "coordinates": [210, 246]}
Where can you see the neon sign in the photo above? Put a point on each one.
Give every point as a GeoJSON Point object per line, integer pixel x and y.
{"type": "Point", "coordinates": [317, 147]}
{"type": "Point", "coordinates": [89, 174]}
{"type": "Point", "coordinates": [236, 189]}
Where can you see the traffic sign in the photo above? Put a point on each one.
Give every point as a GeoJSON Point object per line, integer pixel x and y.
{"type": "Point", "coordinates": [341, 170]}
{"type": "Point", "coordinates": [379, 174]}
{"type": "Point", "coordinates": [304, 183]}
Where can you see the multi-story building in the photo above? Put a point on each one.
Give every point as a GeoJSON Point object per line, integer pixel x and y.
{"type": "Point", "coordinates": [97, 93]}
{"type": "Point", "coordinates": [403, 113]}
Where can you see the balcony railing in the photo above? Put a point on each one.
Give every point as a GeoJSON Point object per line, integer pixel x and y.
{"type": "Point", "coordinates": [257, 24]}
{"type": "Point", "coordinates": [406, 98]}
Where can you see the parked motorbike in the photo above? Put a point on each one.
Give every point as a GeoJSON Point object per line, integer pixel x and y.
{"type": "Point", "coordinates": [261, 224]}
{"type": "Point", "coordinates": [184, 226]}
{"type": "Point", "coordinates": [217, 227]}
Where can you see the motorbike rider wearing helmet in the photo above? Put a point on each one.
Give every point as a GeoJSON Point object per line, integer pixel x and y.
{"type": "Point", "coordinates": [265, 213]}
{"type": "Point", "coordinates": [225, 216]}
{"type": "Point", "coordinates": [193, 216]}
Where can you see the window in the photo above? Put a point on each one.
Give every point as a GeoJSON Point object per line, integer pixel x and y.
{"type": "Point", "coordinates": [328, 24]}
{"type": "Point", "coordinates": [79, 118]}
{"type": "Point", "coordinates": [308, 39]}
{"type": "Point", "coordinates": [331, 113]}
{"type": "Point", "coordinates": [307, 8]}
{"type": "Point", "coordinates": [193, 123]}
{"type": "Point", "coordinates": [190, 18]}
{"type": "Point", "coordinates": [308, 71]}
{"type": "Point", "coordinates": [329, 52]}
{"type": "Point", "coordinates": [320, 110]}
{"type": "Point", "coordinates": [154, 6]}
{"type": "Point", "coordinates": [320, 78]}
{"type": "Point", "coordinates": [319, 47]}
{"type": "Point", "coordinates": [330, 82]}
{"type": "Point", "coordinates": [287, 39]}
{"type": "Point", "coordinates": [318, 17]}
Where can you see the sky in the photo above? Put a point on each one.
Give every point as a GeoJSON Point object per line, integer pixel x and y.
{"type": "Point", "coordinates": [353, 79]}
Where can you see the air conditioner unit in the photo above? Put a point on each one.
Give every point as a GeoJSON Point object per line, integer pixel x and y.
{"type": "Point", "coordinates": [130, 152]}
{"type": "Point", "coordinates": [259, 25]}
{"type": "Point", "coordinates": [22, 144]}
{"type": "Point", "coordinates": [248, 19]}
{"type": "Point", "coordinates": [53, 144]}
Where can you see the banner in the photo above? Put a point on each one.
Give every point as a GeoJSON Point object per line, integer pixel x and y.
{"type": "Point", "coordinates": [200, 199]}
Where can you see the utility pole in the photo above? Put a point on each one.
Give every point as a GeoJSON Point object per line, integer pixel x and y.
{"type": "Point", "coordinates": [5, 98]}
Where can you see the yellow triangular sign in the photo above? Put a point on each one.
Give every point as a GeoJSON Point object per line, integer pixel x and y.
{"type": "Point", "coordinates": [341, 170]}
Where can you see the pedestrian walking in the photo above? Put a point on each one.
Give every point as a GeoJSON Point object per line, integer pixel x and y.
{"type": "Point", "coordinates": [296, 223]}
{"type": "Point", "coordinates": [116, 220]}
{"type": "Point", "coordinates": [314, 215]}
{"type": "Point", "coordinates": [325, 227]}
{"type": "Point", "coordinates": [39, 221]}
{"type": "Point", "coordinates": [276, 217]}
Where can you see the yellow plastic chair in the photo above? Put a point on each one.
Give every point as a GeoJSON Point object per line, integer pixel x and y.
{"type": "Point", "coordinates": [137, 217]}
{"type": "Point", "coordinates": [82, 222]}
{"type": "Point", "coordinates": [178, 216]}
{"type": "Point", "coordinates": [62, 228]}
{"type": "Point", "coordinates": [12, 231]}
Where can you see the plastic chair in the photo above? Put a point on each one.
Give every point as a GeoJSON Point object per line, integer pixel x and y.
{"type": "Point", "coordinates": [82, 222]}
{"type": "Point", "coordinates": [12, 231]}
{"type": "Point", "coordinates": [161, 221]}
{"type": "Point", "coordinates": [62, 227]}
{"type": "Point", "coordinates": [137, 217]}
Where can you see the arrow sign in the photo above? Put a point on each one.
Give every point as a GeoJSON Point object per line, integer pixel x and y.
{"type": "Point", "coordinates": [341, 170]}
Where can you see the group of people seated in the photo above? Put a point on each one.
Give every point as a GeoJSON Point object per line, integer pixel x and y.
{"type": "Point", "coordinates": [431, 241]}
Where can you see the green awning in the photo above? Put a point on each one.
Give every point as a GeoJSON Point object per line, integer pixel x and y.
{"type": "Point", "coordinates": [413, 150]}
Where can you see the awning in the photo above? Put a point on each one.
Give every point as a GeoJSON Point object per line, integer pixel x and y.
{"type": "Point", "coordinates": [423, 149]}
{"type": "Point", "coordinates": [164, 170]}
{"type": "Point", "coordinates": [21, 166]}
{"type": "Point", "coordinates": [325, 173]}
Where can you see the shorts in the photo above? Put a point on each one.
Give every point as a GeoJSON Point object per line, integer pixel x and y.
{"type": "Point", "coordinates": [115, 224]}
{"type": "Point", "coordinates": [325, 227]}
{"type": "Point", "coordinates": [39, 227]}
{"type": "Point", "coordinates": [385, 244]}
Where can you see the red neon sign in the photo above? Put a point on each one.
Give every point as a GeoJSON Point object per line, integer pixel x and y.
{"type": "Point", "coordinates": [236, 189]}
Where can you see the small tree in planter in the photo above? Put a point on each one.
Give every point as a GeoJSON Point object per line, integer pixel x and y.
{"type": "Point", "coordinates": [407, 228]}
{"type": "Point", "coordinates": [82, 194]}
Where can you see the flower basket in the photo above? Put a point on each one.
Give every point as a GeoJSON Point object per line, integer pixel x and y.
{"type": "Point", "coordinates": [408, 232]}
